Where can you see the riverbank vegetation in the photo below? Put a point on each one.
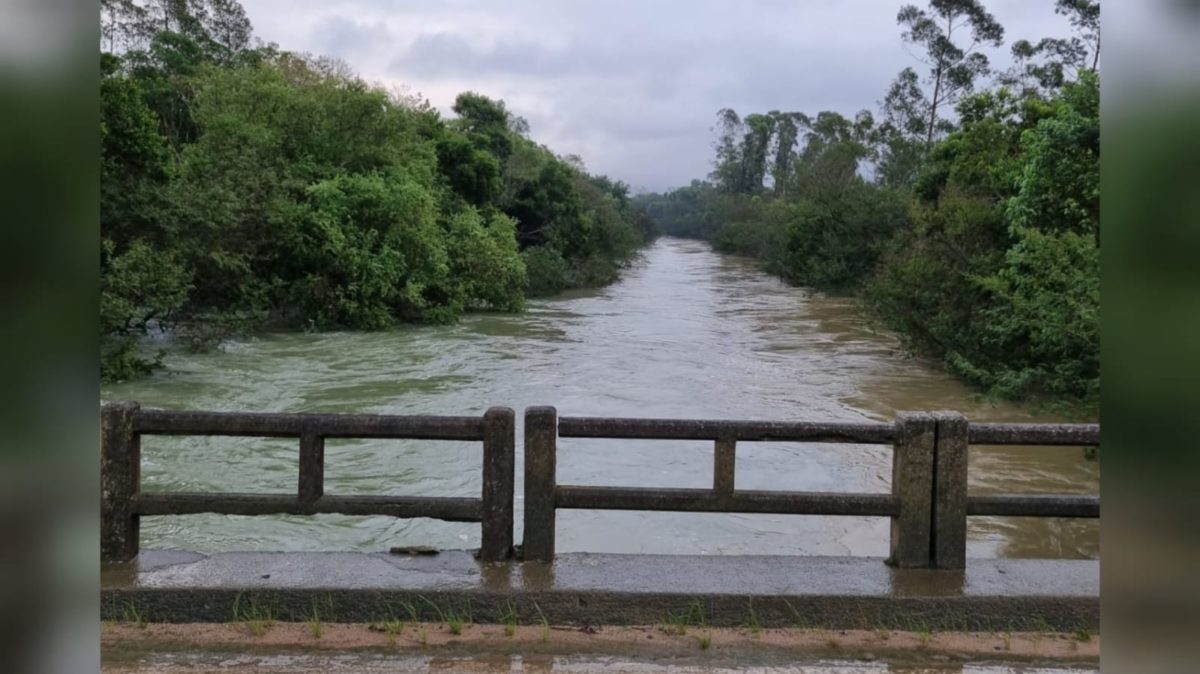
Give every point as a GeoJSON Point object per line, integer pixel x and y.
{"type": "Point", "coordinates": [965, 211]}
{"type": "Point", "coordinates": [244, 186]}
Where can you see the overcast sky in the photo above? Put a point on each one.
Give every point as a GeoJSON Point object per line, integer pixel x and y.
{"type": "Point", "coordinates": [631, 86]}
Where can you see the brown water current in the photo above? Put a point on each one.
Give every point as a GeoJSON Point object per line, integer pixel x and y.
{"type": "Point", "coordinates": [687, 333]}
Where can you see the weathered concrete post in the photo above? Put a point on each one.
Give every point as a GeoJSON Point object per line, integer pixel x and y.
{"type": "Point", "coordinates": [541, 448]}
{"type": "Point", "coordinates": [724, 465]}
{"type": "Point", "coordinates": [120, 477]}
{"type": "Point", "coordinates": [950, 492]}
{"type": "Point", "coordinates": [312, 468]}
{"type": "Point", "coordinates": [499, 472]}
{"type": "Point", "coordinates": [912, 484]}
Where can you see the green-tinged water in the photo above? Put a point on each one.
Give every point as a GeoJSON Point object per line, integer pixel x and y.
{"type": "Point", "coordinates": [686, 333]}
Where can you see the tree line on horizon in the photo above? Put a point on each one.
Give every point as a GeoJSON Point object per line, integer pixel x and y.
{"type": "Point", "coordinates": [246, 187]}
{"type": "Point", "coordinates": [965, 212]}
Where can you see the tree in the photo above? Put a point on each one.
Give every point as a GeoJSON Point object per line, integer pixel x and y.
{"type": "Point", "coordinates": [484, 261]}
{"type": "Point", "coordinates": [1041, 69]}
{"type": "Point", "coordinates": [1043, 319]}
{"type": "Point", "coordinates": [134, 166]}
{"type": "Point", "coordinates": [680, 212]}
{"type": "Point", "coordinates": [472, 172]}
{"type": "Point", "coordinates": [1084, 16]}
{"type": "Point", "coordinates": [227, 27]}
{"type": "Point", "coordinates": [574, 229]}
{"type": "Point", "coordinates": [727, 164]}
{"type": "Point", "coordinates": [547, 206]}
{"type": "Point", "coordinates": [1059, 187]}
{"type": "Point", "coordinates": [141, 289]}
{"type": "Point", "coordinates": [162, 70]}
{"type": "Point", "coordinates": [1044, 67]}
{"type": "Point", "coordinates": [833, 148]}
{"type": "Point", "coordinates": [742, 150]}
{"type": "Point", "coordinates": [220, 27]}
{"type": "Point", "coordinates": [485, 122]}
{"type": "Point", "coordinates": [370, 250]}
{"type": "Point", "coordinates": [787, 131]}
{"type": "Point", "coordinates": [755, 144]}
{"type": "Point", "coordinates": [903, 133]}
{"type": "Point", "coordinates": [124, 25]}
{"type": "Point", "coordinates": [953, 69]}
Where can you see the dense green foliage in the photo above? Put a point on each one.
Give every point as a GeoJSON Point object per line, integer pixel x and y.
{"type": "Point", "coordinates": [976, 238]}
{"type": "Point", "coordinates": [245, 187]}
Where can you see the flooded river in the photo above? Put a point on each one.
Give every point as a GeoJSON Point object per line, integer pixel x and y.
{"type": "Point", "coordinates": [686, 333]}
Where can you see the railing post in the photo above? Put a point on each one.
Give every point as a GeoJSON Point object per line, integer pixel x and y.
{"type": "Point", "coordinates": [950, 492]}
{"type": "Point", "coordinates": [499, 472]}
{"type": "Point", "coordinates": [312, 467]}
{"type": "Point", "coordinates": [912, 485]}
{"type": "Point", "coordinates": [724, 465]}
{"type": "Point", "coordinates": [120, 477]}
{"type": "Point", "coordinates": [541, 447]}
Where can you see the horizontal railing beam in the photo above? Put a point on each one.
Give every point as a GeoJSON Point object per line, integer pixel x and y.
{"type": "Point", "coordinates": [254, 424]}
{"type": "Point", "coordinates": [1034, 506]}
{"type": "Point", "coordinates": [742, 501]}
{"type": "Point", "coordinates": [190, 503]}
{"type": "Point", "coordinates": [1033, 434]}
{"type": "Point", "coordinates": [705, 429]}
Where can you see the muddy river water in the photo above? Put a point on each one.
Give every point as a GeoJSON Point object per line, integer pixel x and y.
{"type": "Point", "coordinates": [686, 333]}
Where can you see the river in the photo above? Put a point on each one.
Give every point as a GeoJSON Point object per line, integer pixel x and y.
{"type": "Point", "coordinates": [686, 333]}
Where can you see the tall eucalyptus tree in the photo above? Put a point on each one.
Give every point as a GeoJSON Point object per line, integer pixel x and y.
{"type": "Point", "coordinates": [954, 65]}
{"type": "Point", "coordinates": [1045, 66]}
{"type": "Point", "coordinates": [787, 132]}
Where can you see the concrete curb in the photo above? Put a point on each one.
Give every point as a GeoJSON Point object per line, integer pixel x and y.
{"type": "Point", "coordinates": [830, 592]}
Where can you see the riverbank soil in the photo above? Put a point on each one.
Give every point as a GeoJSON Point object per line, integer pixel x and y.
{"type": "Point", "coordinates": [264, 646]}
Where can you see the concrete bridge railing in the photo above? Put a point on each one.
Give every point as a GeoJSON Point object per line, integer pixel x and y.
{"type": "Point", "coordinates": [123, 503]}
{"type": "Point", "coordinates": [928, 503]}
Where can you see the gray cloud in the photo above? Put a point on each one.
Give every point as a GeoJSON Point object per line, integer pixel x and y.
{"type": "Point", "coordinates": [446, 53]}
{"type": "Point", "coordinates": [632, 87]}
{"type": "Point", "coordinates": [343, 37]}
